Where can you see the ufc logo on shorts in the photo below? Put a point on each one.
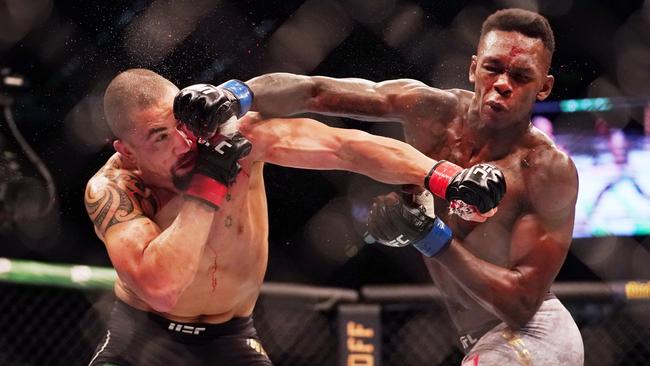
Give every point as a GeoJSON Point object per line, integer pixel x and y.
{"type": "Point", "coordinates": [399, 241]}
{"type": "Point", "coordinates": [467, 341]}
{"type": "Point", "coordinates": [188, 329]}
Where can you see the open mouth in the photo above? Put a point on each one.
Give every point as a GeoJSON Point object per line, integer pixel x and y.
{"type": "Point", "coordinates": [496, 106]}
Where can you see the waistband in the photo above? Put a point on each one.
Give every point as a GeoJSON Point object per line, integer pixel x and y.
{"type": "Point", "coordinates": [469, 339]}
{"type": "Point", "coordinates": [147, 321]}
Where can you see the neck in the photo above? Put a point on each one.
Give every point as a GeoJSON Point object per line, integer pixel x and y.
{"type": "Point", "coordinates": [493, 142]}
{"type": "Point", "coordinates": [123, 163]}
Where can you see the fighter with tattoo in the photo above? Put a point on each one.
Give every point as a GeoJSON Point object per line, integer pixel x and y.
{"type": "Point", "coordinates": [181, 208]}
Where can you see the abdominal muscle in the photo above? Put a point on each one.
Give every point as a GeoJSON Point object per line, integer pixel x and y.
{"type": "Point", "coordinates": [233, 263]}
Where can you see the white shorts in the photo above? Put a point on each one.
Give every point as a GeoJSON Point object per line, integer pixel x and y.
{"type": "Point", "coordinates": [550, 338]}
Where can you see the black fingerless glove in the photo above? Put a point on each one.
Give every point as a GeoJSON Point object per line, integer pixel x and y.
{"type": "Point", "coordinates": [398, 221]}
{"type": "Point", "coordinates": [216, 167]}
{"type": "Point", "coordinates": [481, 185]}
{"type": "Point", "coordinates": [203, 108]}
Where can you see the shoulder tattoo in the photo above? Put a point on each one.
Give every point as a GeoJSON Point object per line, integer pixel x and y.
{"type": "Point", "coordinates": [122, 199]}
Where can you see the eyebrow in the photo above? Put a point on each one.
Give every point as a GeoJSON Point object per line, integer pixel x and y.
{"type": "Point", "coordinates": [521, 70]}
{"type": "Point", "coordinates": [491, 59]}
{"type": "Point", "coordinates": [154, 131]}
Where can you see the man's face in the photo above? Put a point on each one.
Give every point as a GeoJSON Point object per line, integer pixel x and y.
{"type": "Point", "coordinates": [160, 150]}
{"type": "Point", "coordinates": [509, 74]}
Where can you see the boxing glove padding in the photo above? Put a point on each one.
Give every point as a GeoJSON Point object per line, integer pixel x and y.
{"type": "Point", "coordinates": [203, 108]}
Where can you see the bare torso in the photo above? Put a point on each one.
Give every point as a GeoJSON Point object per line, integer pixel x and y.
{"type": "Point", "coordinates": [234, 261]}
{"type": "Point", "coordinates": [491, 240]}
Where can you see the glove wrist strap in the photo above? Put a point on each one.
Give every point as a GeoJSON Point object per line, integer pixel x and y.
{"type": "Point", "coordinates": [436, 240]}
{"type": "Point", "coordinates": [206, 189]}
{"type": "Point", "coordinates": [439, 177]}
{"type": "Point", "coordinates": [242, 92]}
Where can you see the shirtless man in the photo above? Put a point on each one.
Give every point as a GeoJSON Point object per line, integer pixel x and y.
{"type": "Point", "coordinates": [181, 208]}
{"type": "Point", "coordinates": [495, 275]}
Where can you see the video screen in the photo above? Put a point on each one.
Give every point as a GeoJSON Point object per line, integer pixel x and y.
{"type": "Point", "coordinates": [614, 192]}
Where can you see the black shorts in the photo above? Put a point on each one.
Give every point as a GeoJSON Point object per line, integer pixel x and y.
{"type": "Point", "coordinates": [136, 338]}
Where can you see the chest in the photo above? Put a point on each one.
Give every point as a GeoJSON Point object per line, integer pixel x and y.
{"type": "Point", "coordinates": [241, 219]}
{"type": "Point", "coordinates": [235, 201]}
{"type": "Point", "coordinates": [490, 240]}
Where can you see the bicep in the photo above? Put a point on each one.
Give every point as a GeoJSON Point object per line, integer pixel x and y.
{"type": "Point", "coordinates": [539, 247]}
{"type": "Point", "coordinates": [541, 238]}
{"type": "Point", "coordinates": [298, 143]}
{"type": "Point", "coordinates": [393, 100]}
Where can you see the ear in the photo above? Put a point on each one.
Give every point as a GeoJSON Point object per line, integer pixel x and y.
{"type": "Point", "coordinates": [124, 150]}
{"type": "Point", "coordinates": [472, 69]}
{"type": "Point", "coordinates": [546, 88]}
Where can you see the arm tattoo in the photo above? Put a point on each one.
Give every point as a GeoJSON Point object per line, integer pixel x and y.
{"type": "Point", "coordinates": [123, 199]}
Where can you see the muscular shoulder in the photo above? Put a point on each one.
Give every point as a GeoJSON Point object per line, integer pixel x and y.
{"type": "Point", "coordinates": [461, 97]}
{"type": "Point", "coordinates": [551, 179]}
{"type": "Point", "coordinates": [116, 195]}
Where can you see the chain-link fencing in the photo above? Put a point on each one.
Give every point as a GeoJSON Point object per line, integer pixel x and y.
{"type": "Point", "coordinates": [58, 325]}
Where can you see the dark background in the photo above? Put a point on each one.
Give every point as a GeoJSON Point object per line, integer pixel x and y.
{"type": "Point", "coordinates": [69, 50]}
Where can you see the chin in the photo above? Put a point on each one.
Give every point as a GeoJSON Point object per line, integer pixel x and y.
{"type": "Point", "coordinates": [496, 120]}
{"type": "Point", "coordinates": [180, 181]}
{"type": "Point", "coordinates": [490, 119]}
{"type": "Point", "coordinates": [160, 180]}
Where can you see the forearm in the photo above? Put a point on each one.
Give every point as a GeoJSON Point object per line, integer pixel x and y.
{"type": "Point", "coordinates": [281, 94]}
{"type": "Point", "coordinates": [499, 290]}
{"type": "Point", "coordinates": [170, 262]}
{"type": "Point", "coordinates": [384, 159]}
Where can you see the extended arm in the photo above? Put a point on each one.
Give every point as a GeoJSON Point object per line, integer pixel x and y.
{"type": "Point", "coordinates": [539, 243]}
{"type": "Point", "coordinates": [283, 94]}
{"type": "Point", "coordinates": [309, 144]}
{"type": "Point", "coordinates": [157, 265]}
{"type": "Point", "coordinates": [306, 143]}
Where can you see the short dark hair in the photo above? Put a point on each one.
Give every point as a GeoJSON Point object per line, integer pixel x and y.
{"type": "Point", "coordinates": [526, 22]}
{"type": "Point", "coordinates": [133, 88]}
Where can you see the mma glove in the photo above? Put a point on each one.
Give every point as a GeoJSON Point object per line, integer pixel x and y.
{"type": "Point", "coordinates": [203, 108]}
{"type": "Point", "coordinates": [216, 167]}
{"type": "Point", "coordinates": [399, 220]}
{"type": "Point", "coordinates": [481, 186]}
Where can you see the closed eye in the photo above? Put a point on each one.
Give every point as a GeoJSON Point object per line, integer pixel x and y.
{"type": "Point", "coordinates": [154, 131]}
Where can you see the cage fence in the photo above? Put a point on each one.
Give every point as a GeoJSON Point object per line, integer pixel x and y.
{"type": "Point", "coordinates": [53, 323]}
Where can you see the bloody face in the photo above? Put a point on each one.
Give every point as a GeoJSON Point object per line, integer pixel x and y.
{"type": "Point", "coordinates": [509, 74]}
